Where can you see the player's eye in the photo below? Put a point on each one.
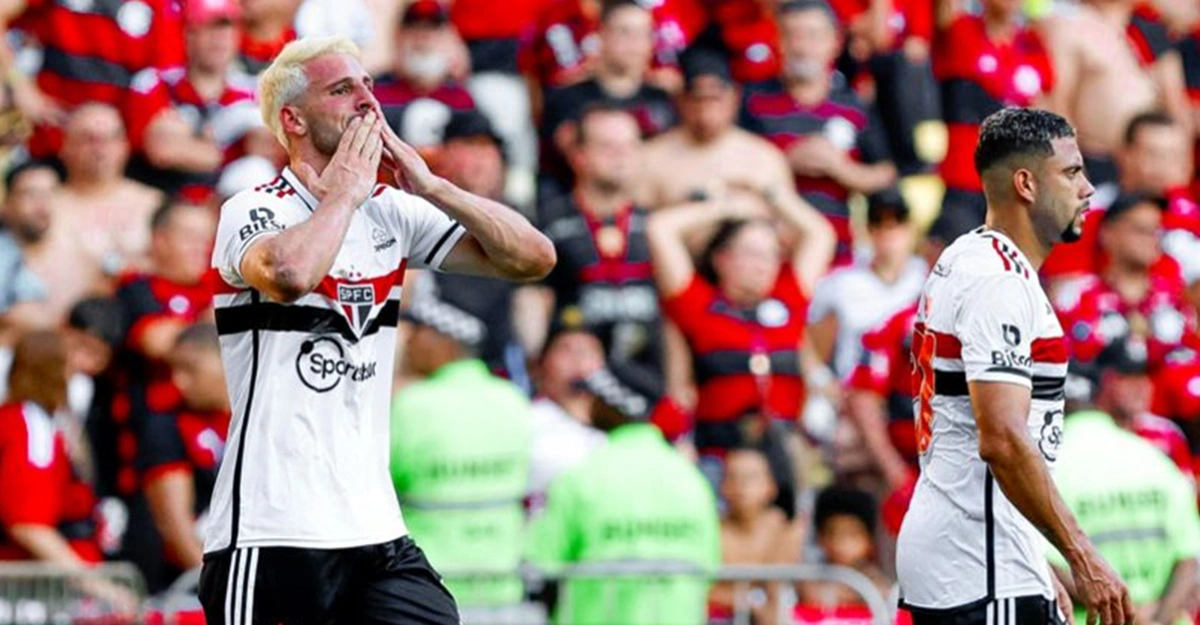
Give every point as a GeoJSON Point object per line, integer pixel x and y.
{"type": "Point", "coordinates": [342, 90]}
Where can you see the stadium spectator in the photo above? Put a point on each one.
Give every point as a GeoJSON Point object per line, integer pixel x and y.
{"type": "Point", "coordinates": [93, 333]}
{"type": "Point", "coordinates": [742, 310]}
{"type": "Point", "coordinates": [891, 279]}
{"type": "Point", "coordinates": [879, 399]}
{"type": "Point", "coordinates": [982, 63]}
{"type": "Point", "coordinates": [420, 92]}
{"type": "Point", "coordinates": [87, 56]}
{"type": "Point", "coordinates": [101, 224]}
{"type": "Point", "coordinates": [472, 156]}
{"type": "Point", "coordinates": [26, 217]}
{"type": "Point", "coordinates": [709, 157]}
{"type": "Point", "coordinates": [1189, 54]}
{"type": "Point", "coordinates": [1111, 63]}
{"type": "Point", "coordinates": [1129, 297]}
{"type": "Point", "coordinates": [460, 454]}
{"type": "Point", "coordinates": [178, 454]}
{"type": "Point", "coordinates": [619, 77]}
{"type": "Point", "coordinates": [563, 435]}
{"type": "Point", "coordinates": [746, 30]}
{"type": "Point", "coordinates": [834, 144]}
{"type": "Point", "coordinates": [603, 278]}
{"type": "Point", "coordinates": [47, 513]}
{"type": "Point", "coordinates": [844, 520]}
{"type": "Point", "coordinates": [267, 26]}
{"type": "Point", "coordinates": [1154, 161]}
{"type": "Point", "coordinates": [1127, 495]}
{"type": "Point", "coordinates": [753, 531]}
{"type": "Point", "coordinates": [186, 123]}
{"type": "Point", "coordinates": [634, 500]}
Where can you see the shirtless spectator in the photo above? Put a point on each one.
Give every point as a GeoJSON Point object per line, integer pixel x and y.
{"type": "Point", "coordinates": [844, 520]}
{"type": "Point", "coordinates": [101, 223]}
{"type": "Point", "coordinates": [709, 157]}
{"type": "Point", "coordinates": [186, 123]}
{"type": "Point", "coordinates": [982, 63]}
{"type": "Point", "coordinates": [833, 142]}
{"type": "Point", "coordinates": [619, 77]}
{"type": "Point", "coordinates": [420, 92]}
{"type": "Point", "coordinates": [1111, 64]}
{"type": "Point", "coordinates": [754, 532]}
{"type": "Point", "coordinates": [26, 217]}
{"type": "Point", "coordinates": [267, 26]}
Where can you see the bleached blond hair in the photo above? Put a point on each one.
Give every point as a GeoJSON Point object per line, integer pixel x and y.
{"type": "Point", "coordinates": [285, 81]}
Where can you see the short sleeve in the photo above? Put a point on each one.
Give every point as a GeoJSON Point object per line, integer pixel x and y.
{"type": "Point", "coordinates": [431, 234]}
{"type": "Point", "coordinates": [160, 446]}
{"type": "Point", "coordinates": [29, 473]}
{"type": "Point", "coordinates": [246, 218]}
{"type": "Point", "coordinates": [995, 322]}
{"type": "Point", "coordinates": [686, 308]}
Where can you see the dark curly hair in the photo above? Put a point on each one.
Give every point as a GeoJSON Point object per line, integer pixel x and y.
{"type": "Point", "coordinates": [1018, 132]}
{"type": "Point", "coordinates": [727, 229]}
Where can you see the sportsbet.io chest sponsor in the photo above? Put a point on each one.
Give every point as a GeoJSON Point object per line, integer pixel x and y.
{"type": "Point", "coordinates": [322, 364]}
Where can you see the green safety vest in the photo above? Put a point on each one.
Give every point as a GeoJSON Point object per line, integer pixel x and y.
{"type": "Point", "coordinates": [1130, 500]}
{"type": "Point", "coordinates": [460, 463]}
{"type": "Point", "coordinates": [633, 500]}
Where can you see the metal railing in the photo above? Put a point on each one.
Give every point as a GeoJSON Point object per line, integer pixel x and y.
{"type": "Point", "coordinates": [41, 594]}
{"type": "Point", "coordinates": [34, 593]}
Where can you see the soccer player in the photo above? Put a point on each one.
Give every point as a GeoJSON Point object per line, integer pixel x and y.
{"type": "Point", "coordinates": [305, 526]}
{"type": "Point", "coordinates": [990, 367]}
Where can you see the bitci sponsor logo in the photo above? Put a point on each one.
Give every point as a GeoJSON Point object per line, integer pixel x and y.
{"type": "Point", "coordinates": [322, 364]}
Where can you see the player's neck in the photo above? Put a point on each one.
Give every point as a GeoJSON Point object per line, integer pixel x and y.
{"type": "Point", "coordinates": [93, 186]}
{"type": "Point", "coordinates": [209, 84]}
{"type": "Point", "coordinates": [1000, 27]}
{"type": "Point", "coordinates": [617, 82]}
{"type": "Point", "coordinates": [1020, 231]}
{"type": "Point", "coordinates": [308, 155]}
{"type": "Point", "coordinates": [1131, 283]}
{"type": "Point", "coordinates": [744, 520]}
{"type": "Point", "coordinates": [578, 407]}
{"type": "Point", "coordinates": [810, 92]}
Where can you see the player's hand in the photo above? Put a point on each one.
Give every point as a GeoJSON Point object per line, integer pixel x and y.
{"type": "Point", "coordinates": [1102, 592]}
{"type": "Point", "coordinates": [352, 169]}
{"type": "Point", "coordinates": [406, 166]}
{"type": "Point", "coordinates": [1065, 605]}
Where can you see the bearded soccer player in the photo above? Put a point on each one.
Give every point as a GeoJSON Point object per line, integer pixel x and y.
{"type": "Point", "coordinates": [989, 375]}
{"type": "Point", "coordinates": [304, 522]}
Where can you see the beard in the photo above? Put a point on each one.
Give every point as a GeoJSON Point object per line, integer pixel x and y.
{"type": "Point", "coordinates": [1072, 233]}
{"type": "Point", "coordinates": [326, 136]}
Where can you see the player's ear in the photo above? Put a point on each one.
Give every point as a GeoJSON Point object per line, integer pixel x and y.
{"type": "Point", "coordinates": [293, 122]}
{"type": "Point", "coordinates": [1025, 184]}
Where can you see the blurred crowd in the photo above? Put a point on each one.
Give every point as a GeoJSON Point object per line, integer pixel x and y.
{"type": "Point", "coordinates": [745, 197]}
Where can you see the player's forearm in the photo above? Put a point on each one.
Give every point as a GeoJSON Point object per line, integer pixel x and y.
{"type": "Point", "coordinates": [299, 257]}
{"type": "Point", "coordinates": [511, 243]}
{"type": "Point", "coordinates": [45, 544]}
{"type": "Point", "coordinates": [1024, 479]}
{"type": "Point", "coordinates": [171, 500]}
{"type": "Point", "coordinates": [187, 154]}
{"type": "Point", "coordinates": [818, 241]}
{"type": "Point", "coordinates": [1179, 592]}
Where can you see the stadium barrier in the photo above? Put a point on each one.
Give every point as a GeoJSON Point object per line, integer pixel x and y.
{"type": "Point", "coordinates": [42, 594]}
{"type": "Point", "coordinates": [33, 593]}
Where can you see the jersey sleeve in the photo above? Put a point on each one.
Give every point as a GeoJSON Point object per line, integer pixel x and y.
{"type": "Point", "coordinates": [996, 324]}
{"type": "Point", "coordinates": [160, 446]}
{"type": "Point", "coordinates": [430, 233]}
{"type": "Point", "coordinates": [686, 308]}
{"type": "Point", "coordinates": [28, 472]}
{"type": "Point", "coordinates": [246, 218]}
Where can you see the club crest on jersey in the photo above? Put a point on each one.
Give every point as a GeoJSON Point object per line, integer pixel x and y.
{"type": "Point", "coordinates": [357, 301]}
{"type": "Point", "coordinates": [1050, 436]}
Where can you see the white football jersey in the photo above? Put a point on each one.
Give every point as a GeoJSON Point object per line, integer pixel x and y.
{"type": "Point", "coordinates": [982, 316]}
{"type": "Point", "coordinates": [310, 382]}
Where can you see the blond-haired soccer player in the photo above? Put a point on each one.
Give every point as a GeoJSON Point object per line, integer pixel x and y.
{"type": "Point", "coordinates": [304, 523]}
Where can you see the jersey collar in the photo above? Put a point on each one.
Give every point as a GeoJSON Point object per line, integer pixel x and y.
{"type": "Point", "coordinates": [986, 231]}
{"type": "Point", "coordinates": [293, 181]}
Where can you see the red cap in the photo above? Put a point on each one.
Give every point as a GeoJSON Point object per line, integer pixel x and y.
{"type": "Point", "coordinates": [205, 11]}
{"type": "Point", "coordinates": [426, 11]}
